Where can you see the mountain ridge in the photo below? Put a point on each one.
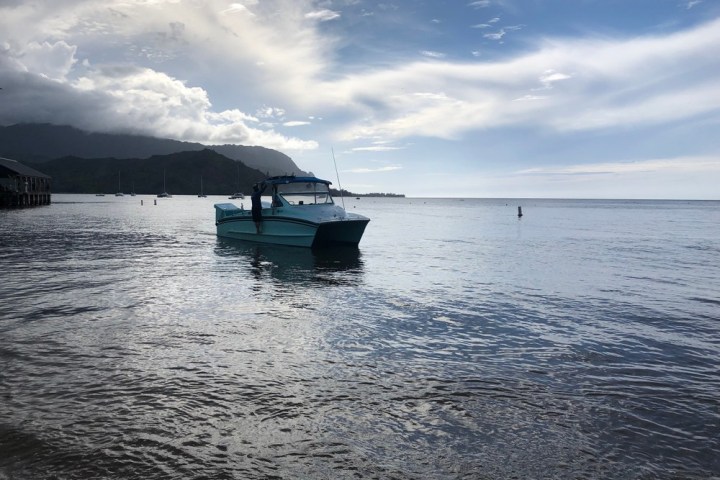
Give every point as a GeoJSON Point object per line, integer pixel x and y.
{"type": "Point", "coordinates": [41, 142]}
{"type": "Point", "coordinates": [178, 173]}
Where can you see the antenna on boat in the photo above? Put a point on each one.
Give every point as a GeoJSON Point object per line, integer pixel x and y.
{"type": "Point", "coordinates": [342, 199]}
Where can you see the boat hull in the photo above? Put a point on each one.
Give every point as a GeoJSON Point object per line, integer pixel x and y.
{"type": "Point", "coordinates": [293, 231]}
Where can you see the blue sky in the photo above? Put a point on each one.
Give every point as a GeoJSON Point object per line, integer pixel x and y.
{"type": "Point", "coordinates": [476, 98]}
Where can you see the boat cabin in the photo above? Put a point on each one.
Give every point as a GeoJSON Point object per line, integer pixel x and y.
{"type": "Point", "coordinates": [294, 191]}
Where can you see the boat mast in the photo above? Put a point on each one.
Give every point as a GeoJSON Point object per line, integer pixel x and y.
{"type": "Point", "coordinates": [342, 199]}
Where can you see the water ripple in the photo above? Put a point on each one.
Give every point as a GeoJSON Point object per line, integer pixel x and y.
{"type": "Point", "coordinates": [136, 344]}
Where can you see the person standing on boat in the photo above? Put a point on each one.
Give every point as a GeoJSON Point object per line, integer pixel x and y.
{"type": "Point", "coordinates": [256, 199]}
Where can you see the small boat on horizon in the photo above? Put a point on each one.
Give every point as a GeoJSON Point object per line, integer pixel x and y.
{"type": "Point", "coordinates": [302, 213]}
{"type": "Point", "coordinates": [164, 194]}
{"type": "Point", "coordinates": [238, 194]}
{"type": "Point", "coordinates": [119, 192]}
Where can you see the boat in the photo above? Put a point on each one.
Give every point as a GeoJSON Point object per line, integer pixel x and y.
{"type": "Point", "coordinates": [302, 213]}
{"type": "Point", "coordinates": [201, 195]}
{"type": "Point", "coordinates": [119, 192]}
{"type": "Point", "coordinates": [164, 194]}
{"type": "Point", "coordinates": [239, 194]}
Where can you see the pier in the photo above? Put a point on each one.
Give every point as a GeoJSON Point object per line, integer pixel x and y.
{"type": "Point", "coordinates": [22, 186]}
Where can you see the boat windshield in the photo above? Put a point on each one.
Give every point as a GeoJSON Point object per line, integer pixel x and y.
{"type": "Point", "coordinates": [310, 193]}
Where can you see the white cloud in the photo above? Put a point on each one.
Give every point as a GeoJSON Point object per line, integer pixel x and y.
{"type": "Point", "coordinates": [52, 61]}
{"type": "Point", "coordinates": [389, 168]}
{"type": "Point", "coordinates": [530, 98]}
{"type": "Point", "coordinates": [323, 15]}
{"type": "Point", "coordinates": [267, 112]}
{"type": "Point", "coordinates": [377, 148]}
{"type": "Point", "coordinates": [495, 36]}
{"type": "Point", "coordinates": [295, 123]}
{"type": "Point", "coordinates": [591, 84]}
{"type": "Point", "coordinates": [237, 8]}
{"type": "Point", "coordinates": [431, 54]}
{"type": "Point", "coordinates": [73, 64]}
{"type": "Point", "coordinates": [136, 100]}
{"type": "Point", "coordinates": [549, 77]}
{"type": "Point", "coordinates": [676, 165]}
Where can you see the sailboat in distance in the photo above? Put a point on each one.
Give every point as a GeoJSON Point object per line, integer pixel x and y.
{"type": "Point", "coordinates": [237, 194]}
{"type": "Point", "coordinates": [164, 194]}
{"type": "Point", "coordinates": [202, 195]}
{"type": "Point", "coordinates": [119, 192]}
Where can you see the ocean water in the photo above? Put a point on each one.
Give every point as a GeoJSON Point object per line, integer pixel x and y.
{"type": "Point", "coordinates": [458, 341]}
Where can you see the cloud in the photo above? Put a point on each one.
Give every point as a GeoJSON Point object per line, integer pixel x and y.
{"type": "Point", "coordinates": [377, 148]}
{"type": "Point", "coordinates": [431, 54]}
{"type": "Point", "coordinates": [550, 77]}
{"type": "Point", "coordinates": [389, 168]}
{"type": "Point", "coordinates": [495, 36]}
{"type": "Point", "coordinates": [672, 165]}
{"type": "Point", "coordinates": [591, 84]}
{"type": "Point", "coordinates": [207, 70]}
{"type": "Point", "coordinates": [134, 100]}
{"type": "Point", "coordinates": [53, 61]}
{"type": "Point", "coordinates": [296, 123]}
{"type": "Point", "coordinates": [323, 15]}
{"type": "Point", "coordinates": [126, 78]}
{"type": "Point", "coordinates": [237, 8]}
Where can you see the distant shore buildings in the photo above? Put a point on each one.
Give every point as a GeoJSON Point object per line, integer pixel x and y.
{"type": "Point", "coordinates": [22, 186]}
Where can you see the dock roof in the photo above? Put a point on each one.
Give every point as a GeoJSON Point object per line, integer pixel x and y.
{"type": "Point", "coordinates": [19, 169]}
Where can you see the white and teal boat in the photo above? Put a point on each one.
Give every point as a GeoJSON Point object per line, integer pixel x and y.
{"type": "Point", "coordinates": [302, 213]}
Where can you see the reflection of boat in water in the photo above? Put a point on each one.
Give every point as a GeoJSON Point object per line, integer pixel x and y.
{"type": "Point", "coordinates": [338, 265]}
{"type": "Point", "coordinates": [302, 214]}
